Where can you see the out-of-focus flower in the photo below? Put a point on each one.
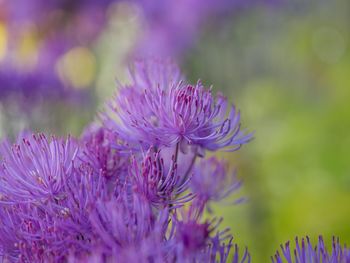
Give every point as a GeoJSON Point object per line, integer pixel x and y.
{"type": "Point", "coordinates": [151, 74]}
{"type": "Point", "coordinates": [80, 20]}
{"type": "Point", "coordinates": [194, 240]}
{"type": "Point", "coordinates": [38, 36]}
{"type": "Point", "coordinates": [221, 252]}
{"type": "Point", "coordinates": [179, 114]}
{"type": "Point", "coordinates": [122, 222]}
{"type": "Point", "coordinates": [212, 181]}
{"type": "Point", "coordinates": [171, 27]}
{"type": "Point", "coordinates": [305, 252]}
{"type": "Point", "coordinates": [30, 87]}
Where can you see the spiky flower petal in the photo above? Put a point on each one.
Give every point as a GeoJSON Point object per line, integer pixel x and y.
{"type": "Point", "coordinates": [212, 181]}
{"type": "Point", "coordinates": [179, 113]}
{"type": "Point", "coordinates": [36, 168]}
{"type": "Point", "coordinates": [305, 252]}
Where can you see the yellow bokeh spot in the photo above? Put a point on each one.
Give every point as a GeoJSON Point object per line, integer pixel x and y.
{"type": "Point", "coordinates": [27, 50]}
{"type": "Point", "coordinates": [77, 67]}
{"type": "Point", "coordinates": [3, 40]}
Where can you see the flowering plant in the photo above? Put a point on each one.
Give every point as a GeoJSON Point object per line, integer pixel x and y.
{"type": "Point", "coordinates": [135, 188]}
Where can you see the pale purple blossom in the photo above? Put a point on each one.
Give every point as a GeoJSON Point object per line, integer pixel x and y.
{"type": "Point", "coordinates": [212, 181]}
{"type": "Point", "coordinates": [170, 28]}
{"type": "Point", "coordinates": [177, 114]}
{"type": "Point", "coordinates": [36, 168]}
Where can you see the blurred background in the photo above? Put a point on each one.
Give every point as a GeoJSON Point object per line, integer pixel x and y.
{"type": "Point", "coordinates": [285, 64]}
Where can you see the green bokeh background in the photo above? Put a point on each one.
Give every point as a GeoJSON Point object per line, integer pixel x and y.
{"type": "Point", "coordinates": [287, 68]}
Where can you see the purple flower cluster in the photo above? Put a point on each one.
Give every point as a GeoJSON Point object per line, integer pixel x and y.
{"type": "Point", "coordinates": [137, 188]}
{"type": "Point", "coordinates": [129, 190]}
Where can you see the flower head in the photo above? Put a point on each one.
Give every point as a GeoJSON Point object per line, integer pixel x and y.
{"type": "Point", "coordinates": [305, 252]}
{"type": "Point", "coordinates": [203, 242]}
{"type": "Point", "coordinates": [36, 168]}
{"type": "Point", "coordinates": [47, 225]}
{"type": "Point", "coordinates": [180, 113]}
{"type": "Point", "coordinates": [122, 222]}
{"type": "Point", "coordinates": [212, 181]}
{"type": "Point", "coordinates": [97, 150]}
{"type": "Point", "coordinates": [161, 186]}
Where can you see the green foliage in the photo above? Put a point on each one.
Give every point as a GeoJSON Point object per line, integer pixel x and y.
{"type": "Point", "coordinates": [288, 70]}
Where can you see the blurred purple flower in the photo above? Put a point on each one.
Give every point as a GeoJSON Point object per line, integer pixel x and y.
{"type": "Point", "coordinates": [55, 27]}
{"type": "Point", "coordinates": [306, 253]}
{"type": "Point", "coordinates": [221, 252]}
{"type": "Point", "coordinates": [193, 241]}
{"type": "Point", "coordinates": [123, 222]}
{"type": "Point", "coordinates": [27, 88]}
{"type": "Point", "coordinates": [212, 181]}
{"type": "Point", "coordinates": [170, 27]}
{"type": "Point", "coordinates": [154, 73]}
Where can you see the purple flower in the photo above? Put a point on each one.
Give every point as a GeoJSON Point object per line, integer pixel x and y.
{"type": "Point", "coordinates": [221, 252]}
{"type": "Point", "coordinates": [194, 241]}
{"type": "Point", "coordinates": [36, 169]}
{"type": "Point", "coordinates": [147, 250]}
{"type": "Point", "coordinates": [212, 181]}
{"type": "Point", "coordinates": [46, 194]}
{"type": "Point", "coordinates": [170, 27]}
{"type": "Point", "coordinates": [160, 186]}
{"type": "Point", "coordinates": [102, 198]}
{"type": "Point", "coordinates": [124, 222]}
{"type": "Point", "coordinates": [178, 114]}
{"type": "Point", "coordinates": [153, 73]}
{"type": "Point", "coordinates": [51, 16]}
{"type": "Point", "coordinates": [306, 253]}
{"type": "Point", "coordinates": [99, 153]}
{"type": "Point", "coordinates": [46, 229]}
{"type": "Point", "coordinates": [27, 234]}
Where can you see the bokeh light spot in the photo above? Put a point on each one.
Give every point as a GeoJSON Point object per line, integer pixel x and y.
{"type": "Point", "coordinates": [3, 40]}
{"type": "Point", "coordinates": [328, 44]}
{"type": "Point", "coordinates": [27, 51]}
{"type": "Point", "coordinates": [77, 67]}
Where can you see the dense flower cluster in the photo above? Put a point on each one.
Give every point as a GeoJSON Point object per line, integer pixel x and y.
{"type": "Point", "coordinates": [137, 188]}
{"type": "Point", "coordinates": [129, 190]}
